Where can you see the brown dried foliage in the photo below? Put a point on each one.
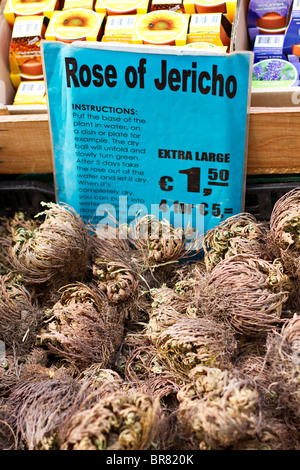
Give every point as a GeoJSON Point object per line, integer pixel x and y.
{"type": "Point", "coordinates": [57, 251]}
{"type": "Point", "coordinates": [119, 421]}
{"type": "Point", "coordinates": [190, 342]}
{"type": "Point", "coordinates": [82, 328]}
{"type": "Point", "coordinates": [20, 317]}
{"type": "Point", "coordinates": [249, 294]}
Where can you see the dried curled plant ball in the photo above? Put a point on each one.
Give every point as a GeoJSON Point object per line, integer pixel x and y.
{"type": "Point", "coordinates": [120, 421]}
{"type": "Point", "coordinates": [114, 269]}
{"type": "Point", "coordinates": [285, 230]}
{"type": "Point", "coordinates": [14, 232]}
{"type": "Point", "coordinates": [159, 244]}
{"type": "Point", "coordinates": [98, 377]}
{"type": "Point", "coordinates": [190, 342]}
{"type": "Point", "coordinates": [40, 403]}
{"type": "Point", "coordinates": [241, 233]}
{"type": "Point", "coordinates": [147, 370]}
{"type": "Point", "coordinates": [57, 251]}
{"type": "Point", "coordinates": [218, 408]}
{"type": "Point", "coordinates": [82, 328]}
{"type": "Point", "coordinates": [249, 293]}
{"type": "Point", "coordinates": [117, 282]}
{"type": "Point", "coordinates": [167, 307]}
{"type": "Point", "coordinates": [20, 317]}
{"type": "Point", "coordinates": [283, 354]}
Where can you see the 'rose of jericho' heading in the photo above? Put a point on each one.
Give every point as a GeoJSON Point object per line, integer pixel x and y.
{"type": "Point", "coordinates": [189, 80]}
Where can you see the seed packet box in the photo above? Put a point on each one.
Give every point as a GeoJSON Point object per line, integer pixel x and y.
{"type": "Point", "coordinates": [30, 93]}
{"type": "Point", "coordinates": [211, 28]}
{"type": "Point", "coordinates": [268, 47]}
{"type": "Point", "coordinates": [119, 28]}
{"type": "Point", "coordinates": [267, 17]}
{"type": "Point", "coordinates": [25, 60]}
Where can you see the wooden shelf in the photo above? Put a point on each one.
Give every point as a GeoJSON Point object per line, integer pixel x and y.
{"type": "Point", "coordinates": [273, 144]}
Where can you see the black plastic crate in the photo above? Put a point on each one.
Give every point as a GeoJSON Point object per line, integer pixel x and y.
{"type": "Point", "coordinates": [261, 197]}
{"type": "Point", "coordinates": [24, 196]}
{"type": "Point", "coordinates": [27, 195]}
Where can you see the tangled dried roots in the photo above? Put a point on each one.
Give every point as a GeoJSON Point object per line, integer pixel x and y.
{"type": "Point", "coordinates": [8, 439]}
{"type": "Point", "coordinates": [120, 421]}
{"type": "Point", "coordinates": [284, 230]}
{"type": "Point", "coordinates": [20, 317]}
{"type": "Point", "coordinates": [190, 342]}
{"type": "Point", "coordinates": [274, 434]}
{"type": "Point", "coordinates": [218, 408]}
{"type": "Point", "coordinates": [82, 328]}
{"type": "Point", "coordinates": [283, 354]}
{"type": "Point", "coordinates": [39, 403]}
{"type": "Point", "coordinates": [250, 293]}
{"type": "Point", "coordinates": [241, 233]}
{"type": "Point", "coordinates": [57, 251]}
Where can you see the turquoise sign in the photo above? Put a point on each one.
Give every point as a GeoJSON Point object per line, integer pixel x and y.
{"type": "Point", "coordinates": [148, 130]}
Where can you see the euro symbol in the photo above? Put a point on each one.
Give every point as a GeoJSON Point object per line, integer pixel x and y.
{"type": "Point", "coordinates": [163, 183]}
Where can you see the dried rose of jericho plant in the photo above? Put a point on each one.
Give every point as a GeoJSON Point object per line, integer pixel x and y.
{"type": "Point", "coordinates": [249, 293]}
{"type": "Point", "coordinates": [114, 267]}
{"type": "Point", "coordinates": [190, 342]}
{"type": "Point", "coordinates": [159, 245]}
{"type": "Point", "coordinates": [167, 307]}
{"type": "Point", "coordinates": [14, 230]}
{"type": "Point", "coordinates": [241, 233]}
{"type": "Point", "coordinates": [20, 317]}
{"type": "Point", "coordinates": [146, 370]}
{"type": "Point", "coordinates": [99, 377]}
{"type": "Point", "coordinates": [283, 354]}
{"type": "Point", "coordinates": [57, 251]}
{"type": "Point", "coordinates": [285, 229]}
{"type": "Point", "coordinates": [82, 328]}
{"type": "Point", "coordinates": [218, 408]}
{"type": "Point", "coordinates": [39, 403]}
{"type": "Point", "coordinates": [120, 421]}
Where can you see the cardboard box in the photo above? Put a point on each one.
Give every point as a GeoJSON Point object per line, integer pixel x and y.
{"type": "Point", "coordinates": [210, 27]}
{"type": "Point", "coordinates": [25, 59]}
{"type": "Point", "coordinates": [119, 28]}
{"type": "Point", "coordinates": [30, 93]}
